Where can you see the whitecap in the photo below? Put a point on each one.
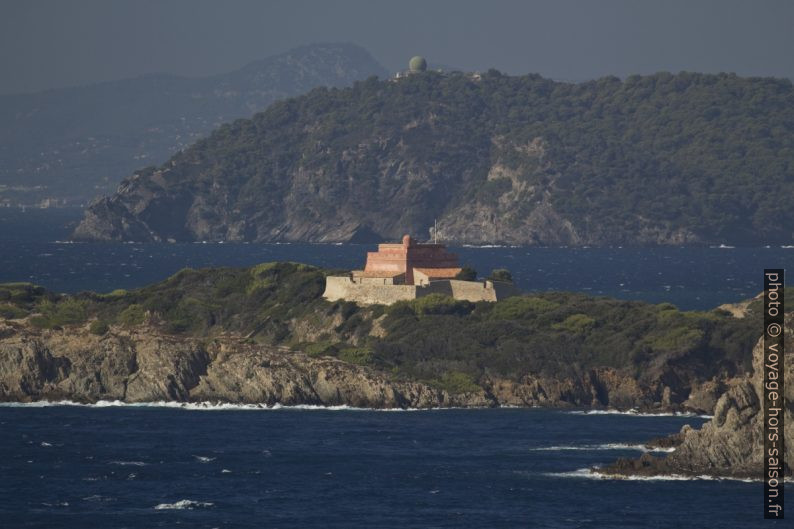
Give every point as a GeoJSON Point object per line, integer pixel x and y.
{"type": "Point", "coordinates": [586, 473]}
{"type": "Point", "coordinates": [183, 504]}
{"type": "Point", "coordinates": [226, 471]}
{"type": "Point", "coordinates": [604, 446]}
{"type": "Point", "coordinates": [205, 406]}
{"type": "Point", "coordinates": [45, 444]}
{"type": "Point", "coordinates": [204, 459]}
{"type": "Point", "coordinates": [635, 413]}
{"type": "Point", "coordinates": [129, 463]}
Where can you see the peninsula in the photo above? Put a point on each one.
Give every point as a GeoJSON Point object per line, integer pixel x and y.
{"type": "Point", "coordinates": [662, 159]}
{"type": "Point", "coordinates": [266, 335]}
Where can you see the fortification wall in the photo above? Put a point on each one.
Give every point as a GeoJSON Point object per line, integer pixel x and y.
{"type": "Point", "coordinates": [342, 287]}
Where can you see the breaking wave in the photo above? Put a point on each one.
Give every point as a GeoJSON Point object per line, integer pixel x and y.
{"type": "Point", "coordinates": [604, 446]}
{"type": "Point", "coordinates": [586, 473]}
{"type": "Point", "coordinates": [200, 406]}
{"type": "Point", "coordinates": [183, 504]}
{"type": "Point", "coordinates": [636, 413]}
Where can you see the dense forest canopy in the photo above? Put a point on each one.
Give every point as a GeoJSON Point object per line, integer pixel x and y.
{"type": "Point", "coordinates": [659, 159]}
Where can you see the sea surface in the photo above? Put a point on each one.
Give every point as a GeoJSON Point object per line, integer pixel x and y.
{"type": "Point", "coordinates": [142, 467]}
{"type": "Point", "coordinates": [68, 466]}
{"type": "Point", "coordinates": [34, 247]}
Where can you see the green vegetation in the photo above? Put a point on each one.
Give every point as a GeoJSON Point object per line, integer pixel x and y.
{"type": "Point", "coordinates": [467, 273]}
{"type": "Point", "coordinates": [501, 274]}
{"type": "Point", "coordinates": [638, 160]}
{"type": "Point", "coordinates": [449, 343]}
{"type": "Point", "coordinates": [456, 382]}
{"type": "Point", "coordinates": [99, 327]}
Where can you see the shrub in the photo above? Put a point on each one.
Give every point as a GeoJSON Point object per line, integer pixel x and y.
{"type": "Point", "coordinates": [501, 274]}
{"type": "Point", "coordinates": [467, 273]}
{"type": "Point", "coordinates": [70, 311]}
{"type": "Point", "coordinates": [324, 348]}
{"type": "Point", "coordinates": [575, 323]}
{"type": "Point", "coordinates": [356, 355]}
{"type": "Point", "coordinates": [521, 307]}
{"type": "Point", "coordinates": [440, 304]}
{"type": "Point", "coordinates": [99, 327]}
{"type": "Point", "coordinates": [11, 312]}
{"type": "Point", "coordinates": [132, 315]}
{"type": "Point", "coordinates": [456, 382]}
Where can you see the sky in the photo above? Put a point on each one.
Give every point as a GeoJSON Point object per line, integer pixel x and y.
{"type": "Point", "coordinates": [56, 43]}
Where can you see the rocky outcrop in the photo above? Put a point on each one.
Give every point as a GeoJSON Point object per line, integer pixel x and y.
{"type": "Point", "coordinates": [143, 365]}
{"type": "Point", "coordinates": [731, 444]}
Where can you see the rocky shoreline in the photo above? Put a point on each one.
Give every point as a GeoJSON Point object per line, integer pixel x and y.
{"type": "Point", "coordinates": [144, 365]}
{"type": "Point", "coordinates": [728, 446]}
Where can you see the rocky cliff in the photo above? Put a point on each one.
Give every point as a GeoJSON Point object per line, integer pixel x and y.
{"type": "Point", "coordinates": [661, 159]}
{"type": "Point", "coordinates": [144, 365]}
{"type": "Point", "coordinates": [731, 444]}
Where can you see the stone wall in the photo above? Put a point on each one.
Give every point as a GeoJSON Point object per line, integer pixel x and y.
{"type": "Point", "coordinates": [342, 287]}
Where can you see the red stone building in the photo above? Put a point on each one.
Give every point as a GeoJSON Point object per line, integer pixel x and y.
{"type": "Point", "coordinates": [396, 263]}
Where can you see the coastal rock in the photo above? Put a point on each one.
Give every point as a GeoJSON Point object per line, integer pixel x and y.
{"type": "Point", "coordinates": [731, 444]}
{"type": "Point", "coordinates": [147, 367]}
{"type": "Point", "coordinates": [144, 365]}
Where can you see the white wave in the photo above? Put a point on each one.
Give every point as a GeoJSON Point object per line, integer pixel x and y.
{"type": "Point", "coordinates": [183, 504]}
{"type": "Point", "coordinates": [45, 444]}
{"type": "Point", "coordinates": [129, 463]}
{"type": "Point", "coordinates": [604, 446]}
{"type": "Point", "coordinates": [635, 413]}
{"type": "Point", "coordinates": [204, 459]}
{"type": "Point", "coordinates": [203, 406]}
{"type": "Point", "coordinates": [97, 497]}
{"type": "Point", "coordinates": [586, 473]}
{"type": "Point", "coordinates": [226, 471]}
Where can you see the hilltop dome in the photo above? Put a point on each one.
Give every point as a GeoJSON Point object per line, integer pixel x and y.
{"type": "Point", "coordinates": [417, 64]}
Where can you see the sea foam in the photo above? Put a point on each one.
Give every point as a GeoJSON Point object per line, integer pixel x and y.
{"type": "Point", "coordinates": [604, 446]}
{"type": "Point", "coordinates": [635, 413]}
{"type": "Point", "coordinates": [183, 504]}
{"type": "Point", "coordinates": [586, 473]}
{"type": "Point", "coordinates": [200, 406]}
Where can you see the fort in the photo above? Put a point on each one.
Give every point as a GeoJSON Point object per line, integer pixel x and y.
{"type": "Point", "coordinates": [410, 270]}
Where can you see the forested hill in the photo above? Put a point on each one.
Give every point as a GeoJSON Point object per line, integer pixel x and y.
{"type": "Point", "coordinates": [661, 159]}
{"type": "Point", "coordinates": [78, 143]}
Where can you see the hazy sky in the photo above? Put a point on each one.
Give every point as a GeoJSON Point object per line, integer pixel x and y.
{"type": "Point", "coordinates": [54, 43]}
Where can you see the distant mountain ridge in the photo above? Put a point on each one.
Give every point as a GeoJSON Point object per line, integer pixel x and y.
{"type": "Point", "coordinates": [660, 159]}
{"type": "Point", "coordinates": [77, 143]}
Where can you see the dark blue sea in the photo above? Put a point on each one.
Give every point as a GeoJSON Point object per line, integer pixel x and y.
{"type": "Point", "coordinates": [33, 248]}
{"type": "Point", "coordinates": [141, 467]}
{"type": "Point", "coordinates": [156, 466]}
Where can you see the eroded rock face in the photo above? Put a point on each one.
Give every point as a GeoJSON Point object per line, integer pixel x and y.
{"type": "Point", "coordinates": [143, 366]}
{"type": "Point", "coordinates": [731, 444]}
